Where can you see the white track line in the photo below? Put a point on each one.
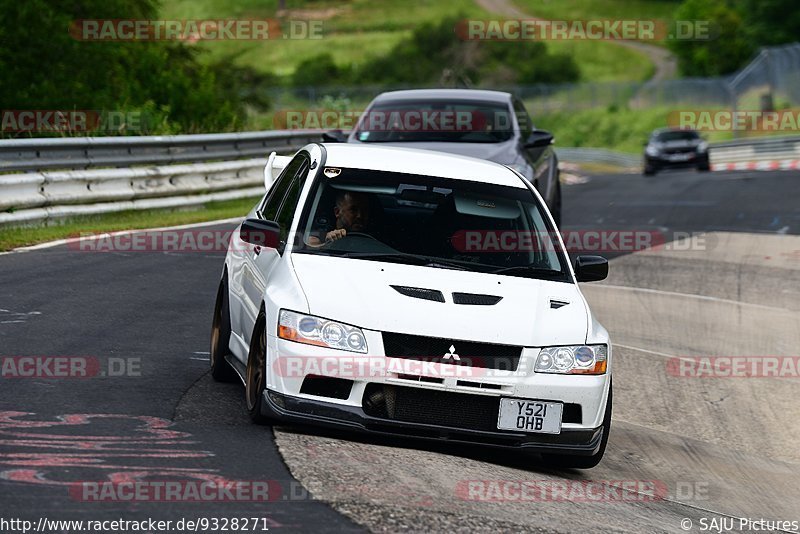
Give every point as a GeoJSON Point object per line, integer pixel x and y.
{"type": "Point", "coordinates": [699, 297]}
{"type": "Point", "coordinates": [656, 353]}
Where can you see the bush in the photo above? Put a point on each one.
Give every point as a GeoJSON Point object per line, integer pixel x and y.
{"type": "Point", "coordinates": [320, 70]}
{"type": "Point", "coordinates": [621, 129]}
{"type": "Point", "coordinates": [530, 61]}
{"type": "Point", "coordinates": [434, 53]}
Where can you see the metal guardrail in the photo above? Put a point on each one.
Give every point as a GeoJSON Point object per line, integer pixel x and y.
{"type": "Point", "coordinates": [23, 192]}
{"type": "Point", "coordinates": [92, 152]}
{"type": "Point", "coordinates": [755, 149]}
{"type": "Point", "coordinates": [154, 170]}
{"type": "Point", "coordinates": [740, 150]}
{"type": "Point", "coordinates": [598, 155]}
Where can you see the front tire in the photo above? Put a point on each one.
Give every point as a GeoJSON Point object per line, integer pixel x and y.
{"type": "Point", "coordinates": [221, 370]}
{"type": "Point", "coordinates": [256, 375]}
{"type": "Point", "coordinates": [566, 461]}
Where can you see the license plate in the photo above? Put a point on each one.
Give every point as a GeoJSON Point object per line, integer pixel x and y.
{"type": "Point", "coordinates": [680, 157]}
{"type": "Point", "coordinates": [526, 415]}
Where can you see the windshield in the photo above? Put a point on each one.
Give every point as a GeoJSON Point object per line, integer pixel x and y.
{"type": "Point", "coordinates": [665, 137]}
{"type": "Point", "coordinates": [436, 121]}
{"type": "Point", "coordinates": [429, 221]}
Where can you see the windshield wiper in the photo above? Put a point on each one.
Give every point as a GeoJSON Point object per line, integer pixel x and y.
{"type": "Point", "coordinates": [535, 272]}
{"type": "Point", "coordinates": [413, 259]}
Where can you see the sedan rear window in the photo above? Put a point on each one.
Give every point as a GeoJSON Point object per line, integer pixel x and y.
{"type": "Point", "coordinates": [436, 121]}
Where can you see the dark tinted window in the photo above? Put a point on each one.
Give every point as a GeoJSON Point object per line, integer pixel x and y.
{"type": "Point", "coordinates": [473, 225]}
{"type": "Point", "coordinates": [676, 136]}
{"type": "Point", "coordinates": [524, 120]}
{"type": "Point", "coordinates": [278, 192]}
{"type": "Point", "coordinates": [286, 213]}
{"type": "Point", "coordinates": [451, 121]}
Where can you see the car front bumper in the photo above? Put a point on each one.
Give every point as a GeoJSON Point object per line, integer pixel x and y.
{"type": "Point", "coordinates": [453, 407]}
{"type": "Point", "coordinates": [695, 159]}
{"type": "Point", "coordinates": [332, 415]}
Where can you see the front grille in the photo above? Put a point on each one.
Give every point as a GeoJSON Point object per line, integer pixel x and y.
{"type": "Point", "coordinates": [431, 407]}
{"type": "Point", "coordinates": [470, 353]}
{"type": "Point", "coordinates": [680, 150]}
{"type": "Point", "coordinates": [441, 408]}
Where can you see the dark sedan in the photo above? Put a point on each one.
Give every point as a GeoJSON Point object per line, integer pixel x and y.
{"type": "Point", "coordinates": [670, 148]}
{"type": "Point", "coordinates": [490, 125]}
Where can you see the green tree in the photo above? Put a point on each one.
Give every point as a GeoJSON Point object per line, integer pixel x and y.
{"type": "Point", "coordinates": [727, 50]}
{"type": "Point", "coordinates": [771, 22]}
{"type": "Point", "coordinates": [44, 67]}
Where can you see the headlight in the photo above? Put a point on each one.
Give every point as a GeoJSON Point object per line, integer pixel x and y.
{"type": "Point", "coordinates": [321, 332]}
{"type": "Point", "coordinates": [652, 150]}
{"type": "Point", "coordinates": [576, 359]}
{"type": "Point", "coordinates": [702, 147]}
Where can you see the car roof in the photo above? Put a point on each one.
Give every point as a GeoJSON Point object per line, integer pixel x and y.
{"type": "Point", "coordinates": [420, 162]}
{"type": "Point", "coordinates": [452, 94]}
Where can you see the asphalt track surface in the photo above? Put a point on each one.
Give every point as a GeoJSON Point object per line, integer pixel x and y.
{"type": "Point", "coordinates": [720, 448]}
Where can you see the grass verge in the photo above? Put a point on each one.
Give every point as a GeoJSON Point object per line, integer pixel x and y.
{"type": "Point", "coordinates": [661, 10]}
{"type": "Point", "coordinates": [625, 130]}
{"type": "Point", "coordinates": [355, 30]}
{"type": "Point", "coordinates": [15, 237]}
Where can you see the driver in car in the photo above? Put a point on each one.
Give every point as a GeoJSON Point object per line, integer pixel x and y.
{"type": "Point", "coordinates": [352, 215]}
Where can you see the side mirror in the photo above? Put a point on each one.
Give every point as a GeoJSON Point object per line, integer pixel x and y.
{"type": "Point", "coordinates": [591, 268]}
{"type": "Point", "coordinates": [539, 139]}
{"type": "Point", "coordinates": [334, 136]}
{"type": "Point", "coordinates": [260, 233]}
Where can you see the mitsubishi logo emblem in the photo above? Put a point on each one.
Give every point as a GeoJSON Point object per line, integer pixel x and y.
{"type": "Point", "coordinates": [452, 354]}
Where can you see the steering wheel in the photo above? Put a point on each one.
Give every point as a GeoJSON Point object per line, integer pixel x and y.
{"type": "Point", "coordinates": [361, 234]}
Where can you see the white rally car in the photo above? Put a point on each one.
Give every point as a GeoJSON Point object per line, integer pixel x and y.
{"type": "Point", "coordinates": [414, 293]}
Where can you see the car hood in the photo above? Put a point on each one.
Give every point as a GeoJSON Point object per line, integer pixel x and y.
{"type": "Point", "coordinates": [360, 293]}
{"type": "Point", "coordinates": [504, 153]}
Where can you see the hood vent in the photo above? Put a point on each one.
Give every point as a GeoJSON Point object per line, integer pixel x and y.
{"type": "Point", "coordinates": [474, 299]}
{"type": "Point", "coordinates": [556, 304]}
{"type": "Point", "coordinates": [420, 293]}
